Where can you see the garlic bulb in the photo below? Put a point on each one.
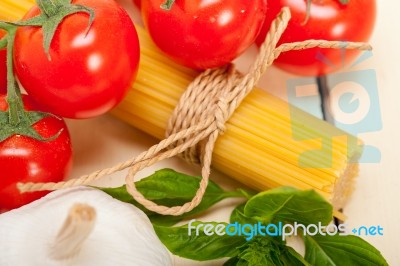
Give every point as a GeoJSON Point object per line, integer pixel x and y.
{"type": "Point", "coordinates": [79, 226]}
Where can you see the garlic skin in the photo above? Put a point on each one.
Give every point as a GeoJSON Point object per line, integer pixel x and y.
{"type": "Point", "coordinates": [122, 234]}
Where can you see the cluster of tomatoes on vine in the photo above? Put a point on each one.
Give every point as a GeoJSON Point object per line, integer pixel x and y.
{"type": "Point", "coordinates": [77, 59]}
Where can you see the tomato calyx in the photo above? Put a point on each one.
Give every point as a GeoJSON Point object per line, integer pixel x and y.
{"type": "Point", "coordinates": [23, 126]}
{"type": "Point", "coordinates": [52, 14]}
{"type": "Point", "coordinates": [167, 5]}
{"type": "Point", "coordinates": [16, 120]}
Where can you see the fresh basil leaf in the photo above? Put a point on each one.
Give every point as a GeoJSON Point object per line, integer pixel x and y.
{"type": "Point", "coordinates": [341, 250]}
{"type": "Point", "coordinates": [173, 187]}
{"type": "Point", "coordinates": [259, 251]}
{"type": "Point", "coordinates": [266, 251]}
{"type": "Point", "coordinates": [237, 215]}
{"type": "Point", "coordinates": [246, 193]}
{"type": "Point", "coordinates": [287, 204]}
{"type": "Point", "coordinates": [199, 244]}
{"type": "Point", "coordinates": [232, 262]}
{"type": "Point", "coordinates": [291, 257]}
{"type": "Point", "coordinates": [121, 194]}
{"type": "Point", "coordinates": [170, 188]}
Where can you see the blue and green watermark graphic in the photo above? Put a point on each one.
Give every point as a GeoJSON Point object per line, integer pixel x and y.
{"type": "Point", "coordinates": [354, 98]}
{"type": "Point", "coordinates": [281, 230]}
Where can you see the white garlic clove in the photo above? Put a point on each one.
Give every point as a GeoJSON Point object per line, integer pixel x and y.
{"type": "Point", "coordinates": [122, 234]}
{"type": "Point", "coordinates": [72, 235]}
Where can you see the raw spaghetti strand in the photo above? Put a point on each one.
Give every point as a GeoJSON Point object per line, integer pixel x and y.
{"type": "Point", "coordinates": [199, 118]}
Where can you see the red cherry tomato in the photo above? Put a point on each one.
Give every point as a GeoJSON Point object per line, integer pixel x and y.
{"type": "Point", "coordinates": [23, 159]}
{"type": "Point", "coordinates": [3, 68]}
{"type": "Point", "coordinates": [329, 20]}
{"type": "Point", "coordinates": [201, 33]}
{"type": "Point", "coordinates": [138, 3]}
{"type": "Point", "coordinates": [88, 74]}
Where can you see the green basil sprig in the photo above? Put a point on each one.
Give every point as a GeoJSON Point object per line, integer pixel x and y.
{"type": "Point", "coordinates": [199, 246]}
{"type": "Point", "coordinates": [332, 250]}
{"type": "Point", "coordinates": [287, 204]}
{"type": "Point", "coordinates": [281, 205]}
{"type": "Point", "coordinates": [170, 188]}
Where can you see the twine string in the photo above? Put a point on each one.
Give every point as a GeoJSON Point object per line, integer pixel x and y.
{"type": "Point", "coordinates": [200, 118]}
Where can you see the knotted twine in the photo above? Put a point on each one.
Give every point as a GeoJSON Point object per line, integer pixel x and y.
{"type": "Point", "coordinates": [199, 118]}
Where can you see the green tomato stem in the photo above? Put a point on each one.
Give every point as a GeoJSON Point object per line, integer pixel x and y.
{"type": "Point", "coordinates": [14, 99]}
{"type": "Point", "coordinates": [50, 8]}
{"type": "Point", "coordinates": [16, 120]}
{"type": "Point", "coordinates": [167, 5]}
{"type": "Point", "coordinates": [53, 13]}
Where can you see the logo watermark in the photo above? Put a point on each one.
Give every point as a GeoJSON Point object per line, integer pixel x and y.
{"type": "Point", "coordinates": [354, 98]}
{"type": "Point", "coordinates": [374, 230]}
{"type": "Point", "coordinates": [278, 230]}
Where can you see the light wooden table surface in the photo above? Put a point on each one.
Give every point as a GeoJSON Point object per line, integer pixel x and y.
{"type": "Point", "coordinates": [104, 141]}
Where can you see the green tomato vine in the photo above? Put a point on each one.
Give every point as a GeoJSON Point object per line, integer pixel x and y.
{"type": "Point", "coordinates": [16, 120]}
